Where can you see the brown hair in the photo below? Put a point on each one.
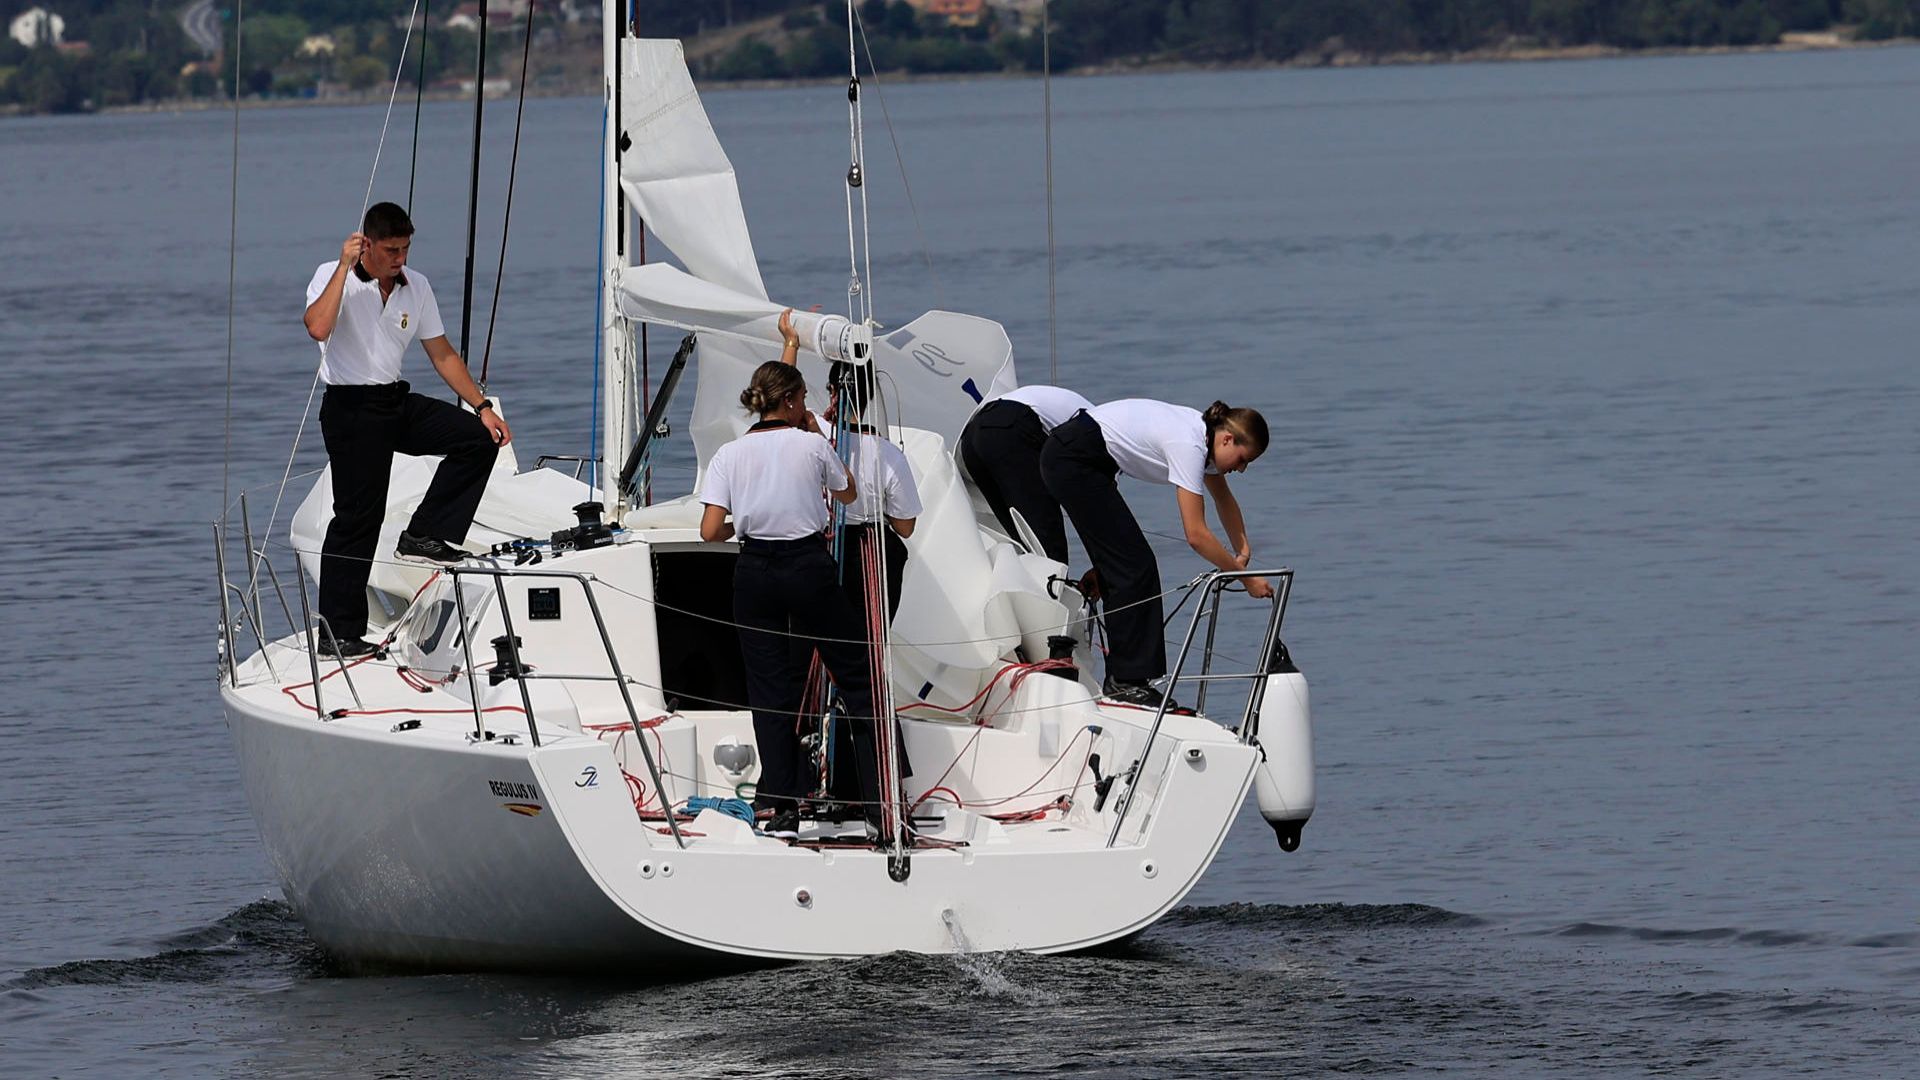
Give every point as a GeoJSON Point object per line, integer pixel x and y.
{"type": "Point", "coordinates": [384, 221]}
{"type": "Point", "coordinates": [1247, 425]}
{"type": "Point", "coordinates": [772, 382]}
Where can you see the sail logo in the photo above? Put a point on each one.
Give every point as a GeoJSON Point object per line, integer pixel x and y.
{"type": "Point", "coordinates": [929, 354]}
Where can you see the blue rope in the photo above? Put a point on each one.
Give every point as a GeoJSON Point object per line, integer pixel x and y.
{"type": "Point", "coordinates": [735, 808]}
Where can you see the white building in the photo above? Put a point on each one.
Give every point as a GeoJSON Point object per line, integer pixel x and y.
{"type": "Point", "coordinates": [36, 26]}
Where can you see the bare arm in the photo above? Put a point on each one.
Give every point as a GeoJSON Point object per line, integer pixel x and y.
{"type": "Point", "coordinates": [902, 526]}
{"type": "Point", "coordinates": [325, 310]}
{"type": "Point", "coordinates": [790, 340]}
{"type": "Point", "coordinates": [447, 361]}
{"type": "Point", "coordinates": [1230, 519]}
{"type": "Point", "coordinates": [1193, 518]}
{"type": "Point", "coordinates": [846, 494]}
{"type": "Point", "coordinates": [714, 525]}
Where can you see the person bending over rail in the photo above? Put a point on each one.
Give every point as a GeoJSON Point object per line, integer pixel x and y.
{"type": "Point", "coordinates": [364, 309]}
{"type": "Point", "coordinates": [786, 585]}
{"type": "Point", "coordinates": [1000, 447]}
{"type": "Point", "coordinates": [1160, 443]}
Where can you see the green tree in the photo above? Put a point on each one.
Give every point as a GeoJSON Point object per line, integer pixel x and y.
{"type": "Point", "coordinates": [271, 40]}
{"type": "Point", "coordinates": [363, 72]}
{"type": "Point", "coordinates": [1883, 19]}
{"type": "Point", "coordinates": [751, 59]}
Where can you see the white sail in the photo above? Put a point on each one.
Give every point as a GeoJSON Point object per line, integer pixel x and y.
{"type": "Point", "coordinates": [675, 173]}
{"type": "Point", "coordinates": [935, 370]}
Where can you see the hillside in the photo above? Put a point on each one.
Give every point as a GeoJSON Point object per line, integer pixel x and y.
{"type": "Point", "coordinates": [103, 53]}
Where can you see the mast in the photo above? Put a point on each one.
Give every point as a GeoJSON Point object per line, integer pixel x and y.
{"type": "Point", "coordinates": [616, 416]}
{"type": "Point", "coordinates": [473, 182]}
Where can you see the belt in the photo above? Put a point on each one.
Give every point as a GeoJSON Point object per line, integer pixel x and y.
{"type": "Point", "coordinates": [776, 547]}
{"type": "Point", "coordinates": [368, 391]}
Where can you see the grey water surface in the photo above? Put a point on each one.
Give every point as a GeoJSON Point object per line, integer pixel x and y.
{"type": "Point", "coordinates": [1595, 403]}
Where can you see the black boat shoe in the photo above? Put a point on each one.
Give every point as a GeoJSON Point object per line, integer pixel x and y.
{"type": "Point", "coordinates": [427, 549]}
{"type": "Point", "coordinates": [352, 648]}
{"type": "Point", "coordinates": [1141, 694]}
{"type": "Point", "coordinates": [784, 825]}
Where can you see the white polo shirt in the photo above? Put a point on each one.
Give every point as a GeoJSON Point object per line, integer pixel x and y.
{"type": "Point", "coordinates": [894, 481]}
{"type": "Point", "coordinates": [1054, 405]}
{"type": "Point", "coordinates": [1157, 442]}
{"type": "Point", "coordinates": [369, 339]}
{"type": "Point", "coordinates": [771, 480]}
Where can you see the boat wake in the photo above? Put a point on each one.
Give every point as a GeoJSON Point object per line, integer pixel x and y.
{"type": "Point", "coordinates": [263, 936]}
{"type": "Point", "coordinates": [1321, 916]}
{"type": "Point", "coordinates": [1735, 936]}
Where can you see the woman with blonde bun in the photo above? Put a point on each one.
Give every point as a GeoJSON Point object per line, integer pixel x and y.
{"type": "Point", "coordinates": [786, 587]}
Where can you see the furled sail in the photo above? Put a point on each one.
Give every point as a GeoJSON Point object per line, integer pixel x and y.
{"type": "Point", "coordinates": [933, 371]}
{"type": "Point", "coordinates": [675, 173]}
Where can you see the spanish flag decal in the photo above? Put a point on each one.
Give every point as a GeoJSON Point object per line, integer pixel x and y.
{"type": "Point", "coordinates": [524, 809]}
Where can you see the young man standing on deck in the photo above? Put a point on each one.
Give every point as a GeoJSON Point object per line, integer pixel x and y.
{"type": "Point", "coordinates": [363, 310]}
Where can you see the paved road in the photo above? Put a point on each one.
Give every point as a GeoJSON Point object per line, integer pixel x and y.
{"type": "Point", "coordinates": [201, 21]}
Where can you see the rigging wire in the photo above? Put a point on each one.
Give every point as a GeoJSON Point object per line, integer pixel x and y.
{"type": "Point", "coordinates": [398, 68]}
{"type": "Point", "coordinates": [233, 247]}
{"type": "Point", "coordinates": [419, 93]}
{"type": "Point", "coordinates": [926, 252]}
{"type": "Point", "coordinates": [506, 218]}
{"type": "Point", "coordinates": [314, 390]}
{"type": "Point", "coordinates": [853, 171]}
{"type": "Point", "coordinates": [1046, 91]}
{"type": "Point", "coordinates": [718, 621]}
{"type": "Point", "coordinates": [473, 180]}
{"type": "Point", "coordinates": [599, 309]}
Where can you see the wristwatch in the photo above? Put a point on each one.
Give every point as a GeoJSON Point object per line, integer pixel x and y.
{"type": "Point", "coordinates": [485, 403]}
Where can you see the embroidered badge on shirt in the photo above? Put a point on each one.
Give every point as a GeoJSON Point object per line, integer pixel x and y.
{"type": "Point", "coordinates": [403, 320]}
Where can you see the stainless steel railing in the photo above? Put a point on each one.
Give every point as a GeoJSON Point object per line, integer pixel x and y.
{"type": "Point", "coordinates": [1213, 584]}
{"type": "Point", "coordinates": [313, 626]}
{"type": "Point", "coordinates": [520, 674]}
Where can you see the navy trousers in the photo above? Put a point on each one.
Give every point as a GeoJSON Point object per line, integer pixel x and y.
{"type": "Point", "coordinates": [364, 426]}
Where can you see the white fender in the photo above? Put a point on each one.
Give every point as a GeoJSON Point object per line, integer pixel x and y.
{"type": "Point", "coordinates": [1283, 783]}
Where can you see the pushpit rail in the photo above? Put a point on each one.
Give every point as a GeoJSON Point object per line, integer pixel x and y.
{"type": "Point", "coordinates": [314, 626]}
{"type": "Point", "coordinates": [519, 672]}
{"type": "Point", "coordinates": [1213, 585]}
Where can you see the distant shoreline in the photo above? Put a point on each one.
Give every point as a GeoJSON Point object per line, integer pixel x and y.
{"type": "Point", "coordinates": [1509, 53]}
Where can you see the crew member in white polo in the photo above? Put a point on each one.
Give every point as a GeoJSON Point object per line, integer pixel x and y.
{"type": "Point", "coordinates": [364, 310]}
{"type": "Point", "coordinates": [1000, 446]}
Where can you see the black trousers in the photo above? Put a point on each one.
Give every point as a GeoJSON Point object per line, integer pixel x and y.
{"type": "Point", "coordinates": [843, 781]}
{"type": "Point", "coordinates": [1080, 473]}
{"type": "Point", "coordinates": [784, 596]}
{"type": "Point", "coordinates": [1001, 448]}
{"type": "Point", "coordinates": [853, 577]}
{"type": "Point", "coordinates": [364, 426]}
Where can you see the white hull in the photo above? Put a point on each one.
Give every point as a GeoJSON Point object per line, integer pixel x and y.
{"type": "Point", "coordinates": [404, 848]}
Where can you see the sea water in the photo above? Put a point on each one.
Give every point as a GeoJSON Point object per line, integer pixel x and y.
{"type": "Point", "coordinates": [1594, 404]}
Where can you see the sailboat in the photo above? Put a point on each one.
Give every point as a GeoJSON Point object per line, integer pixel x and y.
{"type": "Point", "coordinates": [535, 772]}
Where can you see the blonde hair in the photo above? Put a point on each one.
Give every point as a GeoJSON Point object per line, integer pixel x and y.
{"type": "Point", "coordinates": [772, 383]}
{"type": "Point", "coordinates": [1247, 425]}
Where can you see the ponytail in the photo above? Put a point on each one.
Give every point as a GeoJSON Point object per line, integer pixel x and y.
{"type": "Point", "coordinates": [1247, 425]}
{"type": "Point", "coordinates": [772, 383]}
